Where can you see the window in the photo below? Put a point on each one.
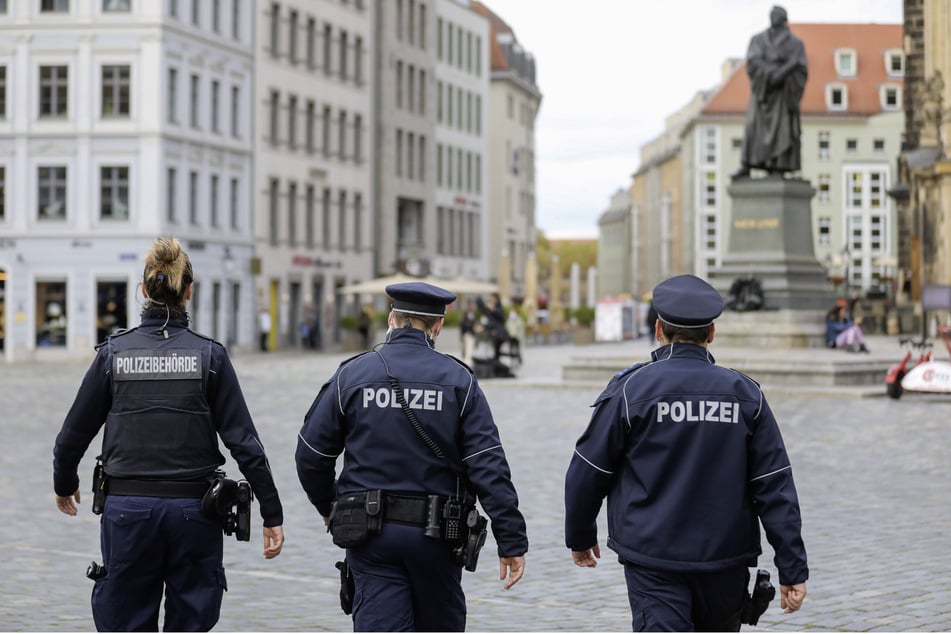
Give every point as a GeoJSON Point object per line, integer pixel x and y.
{"type": "Point", "coordinates": [825, 230]}
{"type": "Point", "coordinates": [309, 218]}
{"type": "Point", "coordinates": [3, 192]}
{"type": "Point", "coordinates": [422, 92]}
{"type": "Point", "coordinates": [292, 121]}
{"type": "Point", "coordinates": [51, 192]}
{"type": "Point", "coordinates": [328, 43]}
{"type": "Point", "coordinates": [194, 103]}
{"type": "Point", "coordinates": [54, 6]}
{"type": "Point", "coordinates": [358, 61]}
{"type": "Point", "coordinates": [823, 144]}
{"type": "Point", "coordinates": [422, 26]}
{"type": "Point", "coordinates": [193, 197]}
{"type": "Point", "coordinates": [171, 178]}
{"type": "Point", "coordinates": [216, 16]}
{"type": "Point", "coordinates": [275, 29]}
{"type": "Point", "coordinates": [325, 218]}
{"type": "Point", "coordinates": [272, 212]}
{"type": "Point", "coordinates": [357, 221]}
{"type": "Point", "coordinates": [292, 37]}
{"type": "Point", "coordinates": [410, 89]}
{"type": "Point", "coordinates": [851, 145]}
{"type": "Point", "coordinates": [399, 84]}
{"type": "Point", "coordinates": [325, 122]}
{"type": "Point", "coordinates": [54, 81]}
{"type": "Point", "coordinates": [890, 96]}
{"type": "Point", "coordinates": [399, 152]}
{"type": "Point", "coordinates": [342, 134]}
{"type": "Point", "coordinates": [709, 231]}
{"type": "Point", "coordinates": [708, 151]}
{"type": "Point", "coordinates": [292, 214]}
{"type": "Point", "coordinates": [114, 192]}
{"type": "Point", "coordinates": [845, 62]}
{"type": "Point", "coordinates": [344, 43]}
{"type": "Point", "coordinates": [236, 111]}
{"type": "Point", "coordinates": [411, 22]}
{"type": "Point", "coordinates": [51, 309]}
{"type": "Point", "coordinates": [422, 158]}
{"type": "Point", "coordinates": [311, 42]}
{"type": "Point", "coordinates": [309, 125]}
{"type": "Point", "coordinates": [275, 112]}
{"type": "Point", "coordinates": [439, 151]}
{"type": "Point", "coordinates": [710, 189]}
{"type": "Point", "coordinates": [196, 12]}
{"type": "Point", "coordinates": [215, 90]}
{"type": "Point", "coordinates": [736, 143]}
{"type": "Point", "coordinates": [399, 20]}
{"type": "Point", "coordinates": [234, 203]}
{"type": "Point", "coordinates": [173, 8]}
{"type": "Point", "coordinates": [837, 97]}
{"type": "Point", "coordinates": [895, 62]}
{"type": "Point", "coordinates": [357, 138]}
{"type": "Point", "coordinates": [439, 101]}
{"type": "Point", "coordinates": [439, 27]}
{"type": "Point", "coordinates": [342, 220]}
{"type": "Point", "coordinates": [172, 95]}
{"type": "Point", "coordinates": [236, 19]}
{"type": "Point", "coordinates": [878, 145]}
{"type": "Point", "coordinates": [825, 188]}
{"type": "Point", "coordinates": [115, 91]}
{"type": "Point", "coordinates": [116, 6]}
{"type": "Point", "coordinates": [213, 199]}
{"type": "Point", "coordinates": [3, 92]}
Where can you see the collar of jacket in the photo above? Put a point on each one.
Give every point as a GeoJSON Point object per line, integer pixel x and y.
{"type": "Point", "coordinates": [410, 335]}
{"type": "Point", "coordinates": [682, 351]}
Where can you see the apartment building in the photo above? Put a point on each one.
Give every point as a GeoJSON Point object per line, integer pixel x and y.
{"type": "Point", "coordinates": [121, 120]}
{"type": "Point", "coordinates": [462, 141]}
{"type": "Point", "coordinates": [514, 100]}
{"type": "Point", "coordinates": [313, 226]}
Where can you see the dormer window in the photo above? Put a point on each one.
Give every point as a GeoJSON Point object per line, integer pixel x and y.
{"type": "Point", "coordinates": [846, 62]}
{"type": "Point", "coordinates": [837, 97]}
{"type": "Point", "coordinates": [890, 96]}
{"type": "Point", "coordinates": [895, 62]}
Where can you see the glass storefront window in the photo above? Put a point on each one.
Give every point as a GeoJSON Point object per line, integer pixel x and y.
{"type": "Point", "coordinates": [50, 314]}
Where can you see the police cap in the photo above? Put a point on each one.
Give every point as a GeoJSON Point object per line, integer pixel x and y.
{"type": "Point", "coordinates": [420, 298]}
{"type": "Point", "coordinates": [686, 301]}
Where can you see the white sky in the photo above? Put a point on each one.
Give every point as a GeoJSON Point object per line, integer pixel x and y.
{"type": "Point", "coordinates": [610, 71]}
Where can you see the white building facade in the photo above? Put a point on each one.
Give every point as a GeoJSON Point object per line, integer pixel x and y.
{"type": "Point", "coordinates": [121, 120]}
{"type": "Point", "coordinates": [462, 146]}
{"type": "Point", "coordinates": [313, 229]}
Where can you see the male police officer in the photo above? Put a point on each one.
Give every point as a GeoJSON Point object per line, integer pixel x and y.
{"type": "Point", "coordinates": [377, 409]}
{"type": "Point", "coordinates": [689, 456]}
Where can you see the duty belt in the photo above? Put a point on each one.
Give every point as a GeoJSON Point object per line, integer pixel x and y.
{"type": "Point", "coordinates": [157, 488]}
{"type": "Point", "coordinates": [404, 510]}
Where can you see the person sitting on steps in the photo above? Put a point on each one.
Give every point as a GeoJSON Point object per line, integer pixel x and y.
{"type": "Point", "coordinates": [843, 332]}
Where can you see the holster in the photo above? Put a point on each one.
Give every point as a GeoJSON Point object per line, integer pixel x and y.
{"type": "Point", "coordinates": [347, 586]}
{"type": "Point", "coordinates": [98, 487]}
{"type": "Point", "coordinates": [355, 517]}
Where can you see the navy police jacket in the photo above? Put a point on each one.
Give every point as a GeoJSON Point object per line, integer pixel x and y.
{"type": "Point", "coordinates": [690, 459]}
{"type": "Point", "coordinates": [356, 414]}
{"type": "Point", "coordinates": [164, 402]}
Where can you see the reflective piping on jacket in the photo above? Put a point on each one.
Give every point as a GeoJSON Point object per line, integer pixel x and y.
{"type": "Point", "coordinates": [481, 451]}
{"type": "Point", "coordinates": [766, 475]}
{"type": "Point", "coordinates": [592, 464]}
{"type": "Point", "coordinates": [319, 453]}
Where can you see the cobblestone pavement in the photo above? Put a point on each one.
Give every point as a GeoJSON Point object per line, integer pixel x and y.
{"type": "Point", "coordinates": [872, 473]}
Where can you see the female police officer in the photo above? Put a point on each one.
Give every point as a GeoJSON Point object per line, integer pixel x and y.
{"type": "Point", "coordinates": [164, 394]}
{"type": "Point", "coordinates": [405, 574]}
{"type": "Point", "coordinates": [690, 458]}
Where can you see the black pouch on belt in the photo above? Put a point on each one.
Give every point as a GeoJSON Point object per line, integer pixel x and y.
{"type": "Point", "coordinates": [355, 517]}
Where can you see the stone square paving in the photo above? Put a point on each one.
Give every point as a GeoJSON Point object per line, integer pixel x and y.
{"type": "Point", "coordinates": [872, 473]}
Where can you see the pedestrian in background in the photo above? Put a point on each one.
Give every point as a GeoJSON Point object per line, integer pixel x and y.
{"type": "Point", "coordinates": [416, 433]}
{"type": "Point", "coordinates": [165, 395]}
{"type": "Point", "coordinates": [691, 460]}
{"type": "Point", "coordinates": [264, 327]}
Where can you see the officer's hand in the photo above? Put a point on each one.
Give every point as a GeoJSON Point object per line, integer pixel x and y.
{"type": "Point", "coordinates": [791, 597]}
{"type": "Point", "coordinates": [587, 558]}
{"type": "Point", "coordinates": [273, 541]}
{"type": "Point", "coordinates": [65, 504]}
{"type": "Point", "coordinates": [515, 566]}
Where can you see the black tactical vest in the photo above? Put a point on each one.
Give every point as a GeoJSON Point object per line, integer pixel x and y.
{"type": "Point", "coordinates": [160, 425]}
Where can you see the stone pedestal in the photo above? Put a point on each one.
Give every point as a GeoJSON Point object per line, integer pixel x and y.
{"type": "Point", "coordinates": [770, 238]}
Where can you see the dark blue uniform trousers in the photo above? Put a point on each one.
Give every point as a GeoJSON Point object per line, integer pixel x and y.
{"type": "Point", "coordinates": [685, 602]}
{"type": "Point", "coordinates": [154, 544]}
{"type": "Point", "coordinates": [406, 582]}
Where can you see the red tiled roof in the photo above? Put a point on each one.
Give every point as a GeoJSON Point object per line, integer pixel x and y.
{"type": "Point", "coordinates": [870, 41]}
{"type": "Point", "coordinates": [497, 25]}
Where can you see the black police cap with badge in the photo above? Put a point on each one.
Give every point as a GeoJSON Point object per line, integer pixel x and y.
{"type": "Point", "coordinates": [420, 298]}
{"type": "Point", "coordinates": [686, 301]}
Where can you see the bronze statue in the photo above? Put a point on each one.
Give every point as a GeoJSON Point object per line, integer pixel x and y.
{"type": "Point", "coordinates": [776, 65]}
